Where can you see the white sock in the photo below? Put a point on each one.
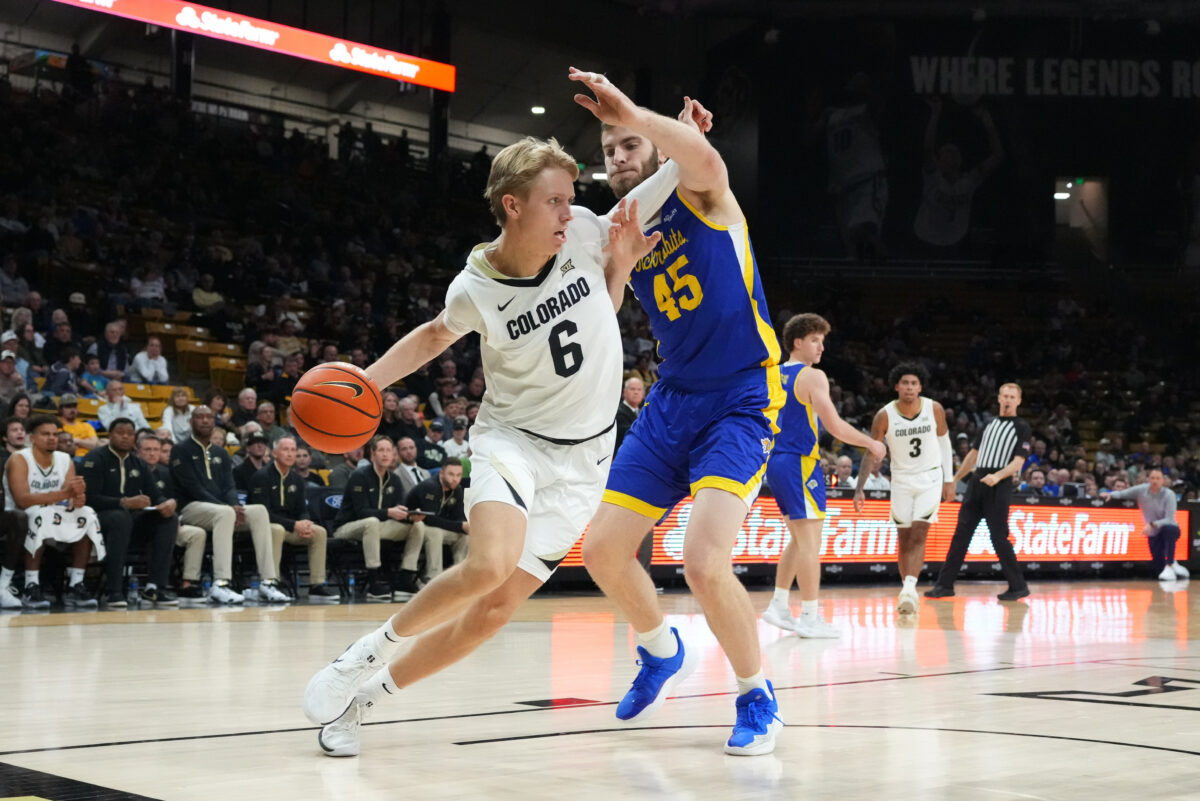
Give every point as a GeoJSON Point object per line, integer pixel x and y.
{"type": "Point", "coordinates": [384, 642]}
{"type": "Point", "coordinates": [74, 576]}
{"type": "Point", "coordinates": [379, 688]}
{"type": "Point", "coordinates": [808, 608]}
{"type": "Point", "coordinates": [660, 642]}
{"type": "Point", "coordinates": [910, 582]}
{"type": "Point", "coordinates": [31, 577]}
{"type": "Point", "coordinates": [5, 577]}
{"type": "Point", "coordinates": [781, 597]}
{"type": "Point", "coordinates": [758, 680]}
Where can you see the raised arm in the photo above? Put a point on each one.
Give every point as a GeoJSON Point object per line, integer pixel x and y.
{"type": "Point", "coordinates": [414, 349]}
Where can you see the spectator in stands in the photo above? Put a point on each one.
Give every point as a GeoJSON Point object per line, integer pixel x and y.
{"type": "Point", "coordinates": [1035, 482]}
{"type": "Point", "coordinates": [56, 512]}
{"type": "Point", "coordinates": [266, 419]}
{"type": "Point", "coordinates": [293, 368]}
{"type": "Point", "coordinates": [430, 453]}
{"type": "Point", "coordinates": [476, 387]}
{"type": "Point", "coordinates": [632, 395]}
{"type": "Point", "coordinates": [215, 400]}
{"type": "Point", "coordinates": [247, 407]}
{"type": "Point", "coordinates": [57, 345]}
{"type": "Point", "coordinates": [13, 439]}
{"type": "Point", "coordinates": [21, 407]}
{"type": "Point", "coordinates": [255, 453]}
{"type": "Point", "coordinates": [843, 473]}
{"type": "Point", "coordinates": [390, 422]}
{"type": "Point", "coordinates": [81, 431]}
{"type": "Point", "coordinates": [11, 381]}
{"type": "Point", "coordinates": [64, 374]}
{"type": "Point", "coordinates": [262, 374]}
{"type": "Point", "coordinates": [91, 380]}
{"type": "Point", "coordinates": [206, 299]}
{"type": "Point", "coordinates": [148, 288]}
{"type": "Point", "coordinates": [150, 366]}
{"type": "Point", "coordinates": [177, 417]}
{"type": "Point", "coordinates": [373, 510]}
{"type": "Point", "coordinates": [66, 444]}
{"type": "Point", "coordinates": [643, 370]}
{"type": "Point", "coordinates": [412, 423]}
{"type": "Point", "coordinates": [288, 343]}
{"type": "Point", "coordinates": [457, 446]}
{"type": "Point", "coordinates": [129, 504]}
{"type": "Point", "coordinates": [1158, 504]}
{"type": "Point", "coordinates": [203, 478]}
{"type": "Point", "coordinates": [411, 474]}
{"type": "Point", "coordinates": [1038, 455]}
{"type": "Point", "coordinates": [340, 474]}
{"type": "Point", "coordinates": [119, 405]}
{"type": "Point", "coordinates": [303, 468]}
{"type": "Point", "coordinates": [190, 538]}
{"type": "Point", "coordinates": [30, 351]}
{"type": "Point", "coordinates": [440, 497]}
{"type": "Point", "coordinates": [875, 480]}
{"type": "Point", "coordinates": [113, 352]}
{"type": "Point", "coordinates": [82, 314]}
{"type": "Point", "coordinates": [13, 288]}
{"type": "Point", "coordinates": [284, 493]}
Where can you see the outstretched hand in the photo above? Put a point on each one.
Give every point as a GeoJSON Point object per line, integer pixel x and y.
{"type": "Point", "coordinates": [695, 115]}
{"type": "Point", "coordinates": [626, 242]}
{"type": "Point", "coordinates": [610, 104]}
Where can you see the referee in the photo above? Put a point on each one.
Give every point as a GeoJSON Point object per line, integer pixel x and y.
{"type": "Point", "coordinates": [996, 456]}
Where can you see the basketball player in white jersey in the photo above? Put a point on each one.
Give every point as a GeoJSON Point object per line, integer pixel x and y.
{"type": "Point", "coordinates": [914, 429]}
{"type": "Point", "coordinates": [40, 480]}
{"type": "Point", "coordinates": [543, 298]}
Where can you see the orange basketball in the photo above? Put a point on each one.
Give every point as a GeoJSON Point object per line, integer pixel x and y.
{"type": "Point", "coordinates": [335, 407]}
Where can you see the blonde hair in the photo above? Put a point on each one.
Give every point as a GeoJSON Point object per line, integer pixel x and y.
{"type": "Point", "coordinates": [518, 165]}
{"type": "Point", "coordinates": [1017, 387]}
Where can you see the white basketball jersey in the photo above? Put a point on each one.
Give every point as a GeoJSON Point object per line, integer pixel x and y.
{"type": "Point", "coordinates": [912, 444]}
{"type": "Point", "coordinates": [550, 344]}
{"type": "Point", "coordinates": [40, 480]}
{"type": "Point", "coordinates": [852, 142]}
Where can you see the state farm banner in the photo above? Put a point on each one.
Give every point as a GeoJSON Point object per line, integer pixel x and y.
{"type": "Point", "coordinates": [265, 35]}
{"type": "Point", "coordinates": [1039, 532]}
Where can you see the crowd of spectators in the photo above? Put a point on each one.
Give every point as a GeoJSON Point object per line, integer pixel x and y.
{"type": "Point", "coordinates": [131, 202]}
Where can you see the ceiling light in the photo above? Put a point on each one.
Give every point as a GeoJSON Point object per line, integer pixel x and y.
{"type": "Point", "coordinates": [538, 110]}
{"type": "Point", "coordinates": [1062, 195]}
{"type": "Point", "coordinates": [599, 176]}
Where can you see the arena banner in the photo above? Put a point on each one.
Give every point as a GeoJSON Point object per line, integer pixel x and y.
{"type": "Point", "coordinates": [1047, 532]}
{"type": "Point", "coordinates": [263, 34]}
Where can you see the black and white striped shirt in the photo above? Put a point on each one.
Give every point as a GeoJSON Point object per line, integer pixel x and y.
{"type": "Point", "coordinates": [1000, 441]}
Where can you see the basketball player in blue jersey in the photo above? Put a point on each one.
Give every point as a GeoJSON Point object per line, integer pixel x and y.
{"type": "Point", "coordinates": [794, 473]}
{"type": "Point", "coordinates": [709, 422]}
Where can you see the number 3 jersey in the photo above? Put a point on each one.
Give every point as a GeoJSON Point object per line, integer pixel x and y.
{"type": "Point", "coordinates": [550, 345]}
{"type": "Point", "coordinates": [913, 447]}
{"type": "Point", "coordinates": [701, 289]}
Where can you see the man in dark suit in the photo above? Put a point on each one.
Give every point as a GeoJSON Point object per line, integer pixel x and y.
{"type": "Point", "coordinates": [631, 403]}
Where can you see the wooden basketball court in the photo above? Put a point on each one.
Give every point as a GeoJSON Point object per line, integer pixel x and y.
{"type": "Point", "coordinates": [1084, 691]}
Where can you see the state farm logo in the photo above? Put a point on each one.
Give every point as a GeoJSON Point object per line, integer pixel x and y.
{"type": "Point", "coordinates": [373, 60]}
{"type": "Point", "coordinates": [211, 22]}
{"type": "Point", "coordinates": [1042, 534]}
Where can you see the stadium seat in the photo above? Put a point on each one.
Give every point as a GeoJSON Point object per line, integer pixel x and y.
{"type": "Point", "coordinates": [227, 375]}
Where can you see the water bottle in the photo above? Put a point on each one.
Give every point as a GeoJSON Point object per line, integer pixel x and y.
{"type": "Point", "coordinates": [133, 597]}
{"type": "Point", "coordinates": [351, 580]}
{"type": "Point", "coordinates": [253, 592]}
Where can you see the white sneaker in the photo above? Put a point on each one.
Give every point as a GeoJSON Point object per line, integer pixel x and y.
{"type": "Point", "coordinates": [222, 593]}
{"type": "Point", "coordinates": [815, 628]}
{"type": "Point", "coordinates": [9, 598]}
{"type": "Point", "coordinates": [1167, 574]}
{"type": "Point", "coordinates": [779, 615]}
{"type": "Point", "coordinates": [270, 592]}
{"type": "Point", "coordinates": [908, 601]}
{"type": "Point", "coordinates": [343, 737]}
{"type": "Point", "coordinates": [331, 690]}
{"type": "Point", "coordinates": [1179, 570]}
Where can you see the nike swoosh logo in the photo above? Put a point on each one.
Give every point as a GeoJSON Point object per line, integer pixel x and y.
{"type": "Point", "coordinates": [350, 385]}
{"type": "Point", "coordinates": [601, 461]}
{"type": "Point", "coordinates": [505, 306]}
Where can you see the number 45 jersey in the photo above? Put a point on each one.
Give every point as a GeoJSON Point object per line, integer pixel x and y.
{"type": "Point", "coordinates": [701, 288]}
{"type": "Point", "coordinates": [550, 345]}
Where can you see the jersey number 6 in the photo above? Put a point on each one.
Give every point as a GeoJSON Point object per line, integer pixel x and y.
{"type": "Point", "coordinates": [567, 355]}
{"type": "Point", "coordinates": [666, 298]}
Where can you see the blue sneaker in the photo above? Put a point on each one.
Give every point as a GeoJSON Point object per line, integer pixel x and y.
{"type": "Point", "coordinates": [656, 680]}
{"type": "Point", "coordinates": [757, 724]}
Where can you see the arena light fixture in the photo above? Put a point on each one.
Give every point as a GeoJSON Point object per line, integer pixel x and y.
{"type": "Point", "coordinates": [265, 35]}
{"type": "Point", "coordinates": [1062, 195]}
{"type": "Point", "coordinates": [538, 110]}
{"type": "Point", "coordinates": [599, 176]}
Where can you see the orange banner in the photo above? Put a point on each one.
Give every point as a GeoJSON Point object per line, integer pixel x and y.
{"type": "Point", "coordinates": [240, 29]}
{"type": "Point", "coordinates": [1041, 533]}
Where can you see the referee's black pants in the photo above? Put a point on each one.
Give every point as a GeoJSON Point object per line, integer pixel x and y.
{"type": "Point", "coordinates": [119, 526]}
{"type": "Point", "coordinates": [983, 503]}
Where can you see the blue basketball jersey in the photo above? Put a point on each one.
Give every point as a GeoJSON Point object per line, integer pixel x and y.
{"type": "Point", "coordinates": [701, 289]}
{"type": "Point", "coordinates": [800, 428]}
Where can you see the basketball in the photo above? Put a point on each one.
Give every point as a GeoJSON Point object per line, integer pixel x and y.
{"type": "Point", "coordinates": [336, 407]}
